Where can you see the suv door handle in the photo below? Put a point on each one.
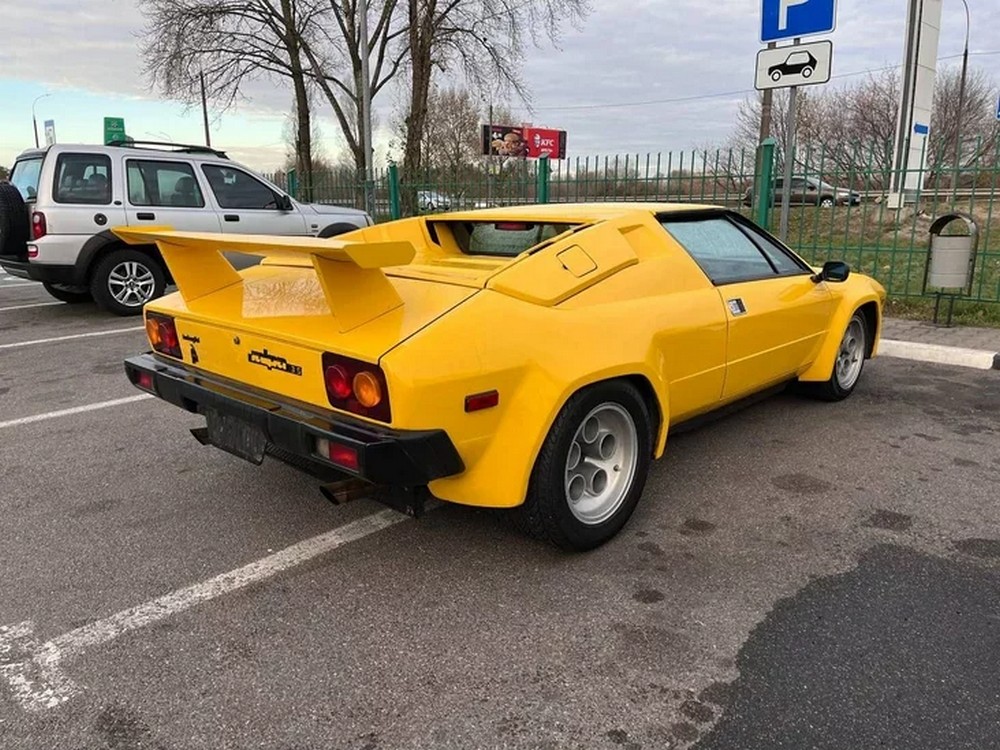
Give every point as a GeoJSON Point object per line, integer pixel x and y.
{"type": "Point", "coordinates": [231, 217]}
{"type": "Point", "coordinates": [145, 216]}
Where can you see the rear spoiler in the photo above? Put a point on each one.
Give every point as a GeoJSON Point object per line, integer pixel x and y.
{"type": "Point", "coordinates": [349, 270]}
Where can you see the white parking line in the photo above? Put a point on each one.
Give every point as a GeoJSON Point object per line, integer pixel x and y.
{"type": "Point", "coordinates": [75, 410]}
{"type": "Point", "coordinates": [52, 340]}
{"type": "Point", "coordinates": [32, 670]}
{"type": "Point", "coordinates": [937, 354]}
{"type": "Point", "coordinates": [33, 304]}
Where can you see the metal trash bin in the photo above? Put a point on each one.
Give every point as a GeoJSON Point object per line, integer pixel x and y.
{"type": "Point", "coordinates": [951, 261]}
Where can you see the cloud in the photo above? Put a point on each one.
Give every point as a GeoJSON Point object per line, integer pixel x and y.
{"type": "Point", "coordinates": [627, 51]}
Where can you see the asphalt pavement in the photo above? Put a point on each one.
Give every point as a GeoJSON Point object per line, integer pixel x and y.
{"type": "Point", "coordinates": [797, 575]}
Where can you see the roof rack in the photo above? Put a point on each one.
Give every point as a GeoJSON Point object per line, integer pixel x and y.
{"type": "Point", "coordinates": [178, 148]}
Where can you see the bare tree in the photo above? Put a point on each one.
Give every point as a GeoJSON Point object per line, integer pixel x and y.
{"type": "Point", "coordinates": [231, 43]}
{"type": "Point", "coordinates": [452, 134]}
{"type": "Point", "coordinates": [334, 51]}
{"type": "Point", "coordinates": [847, 133]}
{"type": "Point", "coordinates": [483, 39]}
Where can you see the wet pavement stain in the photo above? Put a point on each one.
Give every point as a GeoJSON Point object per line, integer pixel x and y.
{"type": "Point", "coordinates": [652, 548]}
{"type": "Point", "coordinates": [684, 731]}
{"type": "Point", "coordinates": [928, 438]}
{"type": "Point", "coordinates": [697, 526]}
{"type": "Point", "coordinates": [985, 549]}
{"type": "Point", "coordinates": [697, 711]}
{"type": "Point", "coordinates": [898, 653]}
{"type": "Point", "coordinates": [718, 694]}
{"type": "Point", "coordinates": [889, 520]}
{"type": "Point", "coordinates": [964, 462]}
{"type": "Point", "coordinates": [803, 484]}
{"type": "Point", "coordinates": [648, 596]}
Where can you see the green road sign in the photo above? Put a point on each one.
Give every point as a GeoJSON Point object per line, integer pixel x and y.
{"type": "Point", "coordinates": [114, 129]}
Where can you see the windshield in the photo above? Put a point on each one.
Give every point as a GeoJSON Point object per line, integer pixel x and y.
{"type": "Point", "coordinates": [25, 176]}
{"type": "Point", "coordinates": [499, 238]}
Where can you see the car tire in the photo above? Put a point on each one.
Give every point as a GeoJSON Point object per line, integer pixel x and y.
{"type": "Point", "coordinates": [826, 202]}
{"type": "Point", "coordinates": [592, 467]}
{"type": "Point", "coordinates": [848, 365]}
{"type": "Point", "coordinates": [109, 281]}
{"type": "Point", "coordinates": [776, 76]}
{"type": "Point", "coordinates": [74, 295]}
{"type": "Point", "coordinates": [14, 221]}
{"type": "Point", "coordinates": [807, 72]}
{"type": "Point", "coordinates": [341, 227]}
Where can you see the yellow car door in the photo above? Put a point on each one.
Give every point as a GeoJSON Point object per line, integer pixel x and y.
{"type": "Point", "coordinates": [777, 315]}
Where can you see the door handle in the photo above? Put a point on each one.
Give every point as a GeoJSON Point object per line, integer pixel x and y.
{"type": "Point", "coordinates": [145, 216]}
{"type": "Point", "coordinates": [231, 217]}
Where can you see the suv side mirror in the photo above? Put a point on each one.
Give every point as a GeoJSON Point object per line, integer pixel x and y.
{"type": "Point", "coordinates": [833, 270]}
{"type": "Point", "coordinates": [283, 202]}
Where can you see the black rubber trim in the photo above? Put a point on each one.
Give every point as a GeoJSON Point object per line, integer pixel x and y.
{"type": "Point", "coordinates": [394, 458]}
{"type": "Point", "coordinates": [25, 269]}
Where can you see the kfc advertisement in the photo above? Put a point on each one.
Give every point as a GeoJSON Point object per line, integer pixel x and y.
{"type": "Point", "coordinates": [526, 142]}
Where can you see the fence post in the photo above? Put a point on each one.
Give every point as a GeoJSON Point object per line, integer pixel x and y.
{"type": "Point", "coordinates": [542, 191]}
{"type": "Point", "coordinates": [763, 193]}
{"type": "Point", "coordinates": [395, 211]}
{"type": "Point", "coordinates": [293, 183]}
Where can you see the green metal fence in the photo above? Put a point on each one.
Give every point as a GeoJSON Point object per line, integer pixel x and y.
{"type": "Point", "coordinates": [888, 243]}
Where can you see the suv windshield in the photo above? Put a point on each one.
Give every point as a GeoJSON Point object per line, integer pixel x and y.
{"type": "Point", "coordinates": [25, 176]}
{"type": "Point", "coordinates": [502, 238]}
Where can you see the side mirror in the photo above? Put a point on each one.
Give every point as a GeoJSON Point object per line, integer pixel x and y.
{"type": "Point", "coordinates": [833, 270]}
{"type": "Point", "coordinates": [284, 203]}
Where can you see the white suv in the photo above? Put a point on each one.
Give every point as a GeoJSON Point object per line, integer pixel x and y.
{"type": "Point", "coordinates": [76, 194]}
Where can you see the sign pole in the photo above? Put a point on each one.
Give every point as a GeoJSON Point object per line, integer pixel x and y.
{"type": "Point", "coordinates": [786, 185]}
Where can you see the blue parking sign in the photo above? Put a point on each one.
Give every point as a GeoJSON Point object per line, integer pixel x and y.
{"type": "Point", "coordinates": [785, 19]}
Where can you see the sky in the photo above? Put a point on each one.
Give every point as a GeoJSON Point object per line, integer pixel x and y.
{"type": "Point", "coordinates": [637, 76]}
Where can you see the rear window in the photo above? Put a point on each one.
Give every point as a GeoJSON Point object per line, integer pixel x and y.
{"type": "Point", "coordinates": [501, 238]}
{"type": "Point", "coordinates": [25, 177]}
{"type": "Point", "coordinates": [82, 178]}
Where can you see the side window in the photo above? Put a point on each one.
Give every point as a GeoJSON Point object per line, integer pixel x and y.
{"type": "Point", "coordinates": [234, 188]}
{"type": "Point", "coordinates": [784, 263]}
{"type": "Point", "coordinates": [162, 183]}
{"type": "Point", "coordinates": [725, 253]}
{"type": "Point", "coordinates": [83, 178]}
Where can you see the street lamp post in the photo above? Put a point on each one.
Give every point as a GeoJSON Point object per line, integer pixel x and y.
{"type": "Point", "coordinates": [961, 99]}
{"type": "Point", "coordinates": [34, 122]}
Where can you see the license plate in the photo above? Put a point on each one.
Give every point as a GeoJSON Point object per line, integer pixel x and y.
{"type": "Point", "coordinates": [236, 436]}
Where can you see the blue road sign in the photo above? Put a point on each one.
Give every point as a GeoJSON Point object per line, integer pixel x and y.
{"type": "Point", "coordinates": [998, 108]}
{"type": "Point", "coordinates": [785, 19]}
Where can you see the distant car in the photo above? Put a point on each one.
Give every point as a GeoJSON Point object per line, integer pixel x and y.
{"type": "Point", "coordinates": [809, 191]}
{"type": "Point", "coordinates": [796, 64]}
{"type": "Point", "coordinates": [534, 357]}
{"type": "Point", "coordinates": [57, 213]}
{"type": "Point", "coordinates": [430, 200]}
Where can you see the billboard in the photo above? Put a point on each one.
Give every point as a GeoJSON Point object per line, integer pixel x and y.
{"type": "Point", "coordinates": [526, 142]}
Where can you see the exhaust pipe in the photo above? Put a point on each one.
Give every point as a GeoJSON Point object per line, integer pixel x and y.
{"type": "Point", "coordinates": [344, 491]}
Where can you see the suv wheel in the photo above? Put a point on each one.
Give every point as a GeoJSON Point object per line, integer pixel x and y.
{"type": "Point", "coordinates": [65, 293]}
{"type": "Point", "coordinates": [124, 280]}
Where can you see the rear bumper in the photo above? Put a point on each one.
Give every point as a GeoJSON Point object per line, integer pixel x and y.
{"type": "Point", "coordinates": [25, 269]}
{"type": "Point", "coordinates": [391, 458]}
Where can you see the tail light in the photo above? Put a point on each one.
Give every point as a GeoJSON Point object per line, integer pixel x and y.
{"type": "Point", "coordinates": [357, 387]}
{"type": "Point", "coordinates": [162, 335]}
{"type": "Point", "coordinates": [343, 455]}
{"type": "Point", "coordinates": [38, 226]}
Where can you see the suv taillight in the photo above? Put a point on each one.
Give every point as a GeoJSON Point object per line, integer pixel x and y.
{"type": "Point", "coordinates": [356, 386]}
{"type": "Point", "coordinates": [38, 226]}
{"type": "Point", "coordinates": [162, 335]}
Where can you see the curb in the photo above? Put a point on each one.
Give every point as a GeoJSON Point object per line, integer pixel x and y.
{"type": "Point", "coordinates": [942, 355]}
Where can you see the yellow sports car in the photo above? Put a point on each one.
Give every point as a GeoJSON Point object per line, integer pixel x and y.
{"type": "Point", "coordinates": [530, 357]}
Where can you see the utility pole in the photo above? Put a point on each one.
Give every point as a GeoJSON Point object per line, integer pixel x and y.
{"type": "Point", "coordinates": [961, 102]}
{"type": "Point", "coordinates": [366, 109]}
{"type": "Point", "coordinates": [204, 109]}
{"type": "Point", "coordinates": [791, 126]}
{"type": "Point", "coordinates": [765, 108]}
